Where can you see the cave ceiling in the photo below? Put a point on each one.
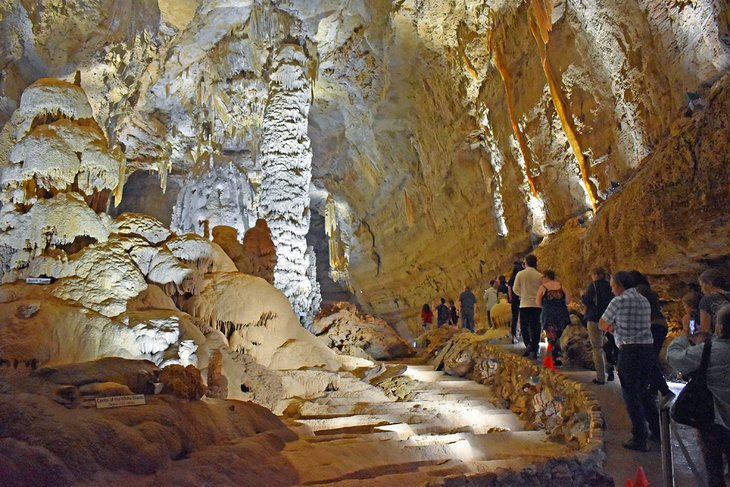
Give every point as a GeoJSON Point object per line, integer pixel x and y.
{"type": "Point", "coordinates": [446, 136]}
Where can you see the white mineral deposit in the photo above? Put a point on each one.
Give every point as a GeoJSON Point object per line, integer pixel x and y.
{"type": "Point", "coordinates": [222, 223]}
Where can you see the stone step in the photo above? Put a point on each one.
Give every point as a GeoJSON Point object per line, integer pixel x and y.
{"type": "Point", "coordinates": [317, 411]}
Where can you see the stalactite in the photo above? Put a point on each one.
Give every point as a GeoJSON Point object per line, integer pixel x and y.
{"type": "Point", "coordinates": [286, 159]}
{"type": "Point", "coordinates": [410, 213]}
{"type": "Point", "coordinates": [337, 253]}
{"type": "Point", "coordinates": [119, 190]}
{"type": "Point", "coordinates": [496, 160]}
{"type": "Point", "coordinates": [498, 57]}
{"type": "Point", "coordinates": [460, 34]}
{"type": "Point", "coordinates": [540, 26]}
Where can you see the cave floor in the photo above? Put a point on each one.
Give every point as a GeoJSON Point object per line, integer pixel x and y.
{"type": "Point", "coordinates": [448, 427]}
{"type": "Point", "coordinates": [621, 463]}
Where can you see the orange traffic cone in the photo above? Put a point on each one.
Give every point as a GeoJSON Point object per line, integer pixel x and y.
{"type": "Point", "coordinates": [547, 362]}
{"type": "Point", "coordinates": [641, 480]}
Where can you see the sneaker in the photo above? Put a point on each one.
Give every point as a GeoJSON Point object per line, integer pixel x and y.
{"type": "Point", "coordinates": [558, 363]}
{"type": "Point", "coordinates": [666, 400]}
{"type": "Point", "coordinates": [527, 352]}
{"type": "Point", "coordinates": [632, 444]}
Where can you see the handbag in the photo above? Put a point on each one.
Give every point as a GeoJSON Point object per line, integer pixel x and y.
{"type": "Point", "coordinates": [695, 404]}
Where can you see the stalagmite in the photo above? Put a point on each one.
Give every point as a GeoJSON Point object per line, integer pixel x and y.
{"type": "Point", "coordinates": [287, 160]}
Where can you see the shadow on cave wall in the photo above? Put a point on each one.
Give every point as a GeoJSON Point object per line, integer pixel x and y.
{"type": "Point", "coordinates": [331, 291]}
{"type": "Point", "coordinates": [142, 194]}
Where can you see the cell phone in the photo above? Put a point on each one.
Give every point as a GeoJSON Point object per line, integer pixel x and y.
{"type": "Point", "coordinates": [692, 327]}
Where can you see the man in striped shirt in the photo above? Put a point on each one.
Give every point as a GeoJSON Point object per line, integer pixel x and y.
{"type": "Point", "coordinates": [628, 317]}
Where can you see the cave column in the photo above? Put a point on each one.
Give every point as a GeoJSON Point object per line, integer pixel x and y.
{"type": "Point", "coordinates": [286, 159]}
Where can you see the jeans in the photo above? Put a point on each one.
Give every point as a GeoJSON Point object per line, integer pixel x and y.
{"type": "Point", "coordinates": [467, 320]}
{"type": "Point", "coordinates": [598, 338]}
{"type": "Point", "coordinates": [657, 382]}
{"type": "Point", "coordinates": [515, 315]}
{"type": "Point", "coordinates": [635, 364]}
{"type": "Point", "coordinates": [714, 443]}
{"type": "Point", "coordinates": [531, 329]}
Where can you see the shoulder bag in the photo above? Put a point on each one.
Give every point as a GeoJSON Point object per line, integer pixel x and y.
{"type": "Point", "coordinates": [695, 404]}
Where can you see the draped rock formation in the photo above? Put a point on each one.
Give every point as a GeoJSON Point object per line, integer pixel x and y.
{"type": "Point", "coordinates": [446, 137]}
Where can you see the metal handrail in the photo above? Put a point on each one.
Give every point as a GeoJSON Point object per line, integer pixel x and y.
{"type": "Point", "coordinates": [667, 427]}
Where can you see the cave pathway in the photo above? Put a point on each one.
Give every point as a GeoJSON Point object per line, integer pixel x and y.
{"type": "Point", "coordinates": [447, 426]}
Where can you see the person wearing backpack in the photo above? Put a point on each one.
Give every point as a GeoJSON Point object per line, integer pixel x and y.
{"type": "Point", "coordinates": [715, 439]}
{"type": "Point", "coordinates": [442, 313]}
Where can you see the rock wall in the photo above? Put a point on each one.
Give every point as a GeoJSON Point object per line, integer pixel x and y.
{"type": "Point", "coordinates": [669, 219]}
{"type": "Point", "coordinates": [448, 136]}
{"type": "Point", "coordinates": [515, 119]}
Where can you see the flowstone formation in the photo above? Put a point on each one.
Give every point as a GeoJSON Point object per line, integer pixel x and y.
{"type": "Point", "coordinates": [120, 287]}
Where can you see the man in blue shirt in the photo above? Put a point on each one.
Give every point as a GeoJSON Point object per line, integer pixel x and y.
{"type": "Point", "coordinates": [628, 317]}
{"type": "Point", "coordinates": [442, 313]}
{"type": "Point", "coordinates": [467, 301]}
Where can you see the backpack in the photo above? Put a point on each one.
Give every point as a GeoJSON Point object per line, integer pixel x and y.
{"type": "Point", "coordinates": [695, 404]}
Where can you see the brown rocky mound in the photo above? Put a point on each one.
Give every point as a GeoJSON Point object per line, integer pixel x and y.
{"type": "Point", "coordinates": [344, 329]}
{"type": "Point", "coordinates": [52, 433]}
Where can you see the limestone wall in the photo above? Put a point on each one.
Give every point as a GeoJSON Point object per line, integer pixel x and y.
{"type": "Point", "coordinates": [448, 135]}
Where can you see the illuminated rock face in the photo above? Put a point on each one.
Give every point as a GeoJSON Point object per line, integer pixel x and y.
{"type": "Point", "coordinates": [449, 136]}
{"type": "Point", "coordinates": [216, 194]}
{"type": "Point", "coordinates": [115, 284]}
{"type": "Point", "coordinates": [287, 172]}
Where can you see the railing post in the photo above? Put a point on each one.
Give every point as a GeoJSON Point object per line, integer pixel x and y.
{"type": "Point", "coordinates": [666, 441]}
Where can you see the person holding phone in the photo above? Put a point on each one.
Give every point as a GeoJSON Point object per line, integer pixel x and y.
{"type": "Point", "coordinates": [685, 355]}
{"type": "Point", "coordinates": [691, 318]}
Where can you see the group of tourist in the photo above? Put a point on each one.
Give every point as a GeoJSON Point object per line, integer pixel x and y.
{"type": "Point", "coordinates": [445, 314]}
{"type": "Point", "coordinates": [635, 319]}
{"type": "Point", "coordinates": [539, 303]}
{"type": "Point", "coordinates": [449, 314]}
{"type": "Point", "coordinates": [627, 330]}
{"type": "Point", "coordinates": [685, 355]}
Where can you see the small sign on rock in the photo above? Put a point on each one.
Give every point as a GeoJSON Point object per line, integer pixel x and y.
{"type": "Point", "coordinates": [119, 401]}
{"type": "Point", "coordinates": [38, 280]}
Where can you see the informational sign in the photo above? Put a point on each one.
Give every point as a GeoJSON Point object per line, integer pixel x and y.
{"type": "Point", "coordinates": [37, 280]}
{"type": "Point", "coordinates": [119, 401]}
